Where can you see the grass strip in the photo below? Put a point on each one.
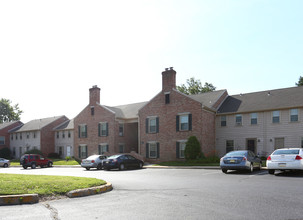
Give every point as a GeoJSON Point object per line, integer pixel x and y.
{"type": "Point", "coordinates": [55, 162]}
{"type": "Point", "coordinates": [14, 184]}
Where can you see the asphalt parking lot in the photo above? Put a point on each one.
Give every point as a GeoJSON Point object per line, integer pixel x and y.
{"type": "Point", "coordinates": [172, 194]}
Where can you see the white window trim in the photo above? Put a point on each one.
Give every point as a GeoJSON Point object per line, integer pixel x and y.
{"type": "Point", "coordinates": [149, 124]}
{"type": "Point", "coordinates": [239, 123]}
{"type": "Point", "coordinates": [182, 142]}
{"type": "Point", "coordinates": [180, 127]}
{"type": "Point", "coordinates": [292, 115]}
{"type": "Point", "coordinates": [102, 123]}
{"type": "Point", "coordinates": [149, 147]}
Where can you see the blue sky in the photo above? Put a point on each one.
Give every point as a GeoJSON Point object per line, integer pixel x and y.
{"type": "Point", "coordinates": [52, 52]}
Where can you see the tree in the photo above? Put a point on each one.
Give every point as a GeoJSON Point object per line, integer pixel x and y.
{"type": "Point", "coordinates": [300, 82]}
{"type": "Point", "coordinates": [195, 87]}
{"type": "Point", "coordinates": [192, 148]}
{"type": "Point", "coordinates": [8, 112]}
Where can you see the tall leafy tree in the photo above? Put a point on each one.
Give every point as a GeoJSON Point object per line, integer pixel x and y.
{"type": "Point", "coordinates": [194, 86]}
{"type": "Point", "coordinates": [9, 112]}
{"type": "Point", "coordinates": [300, 82]}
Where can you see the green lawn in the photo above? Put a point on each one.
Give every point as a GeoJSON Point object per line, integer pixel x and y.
{"type": "Point", "coordinates": [12, 184]}
{"type": "Point", "coordinates": [188, 163]}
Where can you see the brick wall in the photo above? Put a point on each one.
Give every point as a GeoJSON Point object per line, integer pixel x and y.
{"type": "Point", "coordinates": [203, 124]}
{"type": "Point", "coordinates": [4, 133]}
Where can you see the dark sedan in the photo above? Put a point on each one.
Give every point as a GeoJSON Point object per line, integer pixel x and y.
{"type": "Point", "coordinates": [240, 160]}
{"type": "Point", "coordinates": [122, 162]}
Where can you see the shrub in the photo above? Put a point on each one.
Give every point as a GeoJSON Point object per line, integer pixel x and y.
{"type": "Point", "coordinates": [5, 152]}
{"type": "Point", "coordinates": [192, 148]}
{"type": "Point", "coordinates": [34, 151]}
{"type": "Point", "coordinates": [67, 158]}
{"type": "Point", "coordinates": [53, 155]}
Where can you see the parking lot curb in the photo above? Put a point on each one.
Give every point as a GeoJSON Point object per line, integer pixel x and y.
{"type": "Point", "coordinates": [90, 191]}
{"type": "Point", "coordinates": [19, 199]}
{"type": "Point", "coordinates": [34, 198]}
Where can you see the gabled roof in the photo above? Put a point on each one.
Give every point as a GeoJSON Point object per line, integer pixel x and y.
{"type": "Point", "coordinates": [209, 99]}
{"type": "Point", "coordinates": [264, 101]}
{"type": "Point", "coordinates": [38, 124]}
{"type": "Point", "coordinates": [67, 125]}
{"type": "Point", "coordinates": [127, 111]}
{"type": "Point", "coordinates": [6, 124]}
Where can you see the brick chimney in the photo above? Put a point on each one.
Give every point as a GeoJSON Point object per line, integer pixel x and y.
{"type": "Point", "coordinates": [94, 95]}
{"type": "Point", "coordinates": [168, 79]}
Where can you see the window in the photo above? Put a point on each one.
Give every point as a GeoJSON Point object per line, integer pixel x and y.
{"type": "Point", "coordinates": [294, 115]}
{"type": "Point", "coordinates": [152, 125]}
{"type": "Point", "coordinates": [181, 149]}
{"type": "Point", "coordinates": [103, 129]}
{"type": "Point", "coordinates": [167, 98]}
{"type": "Point", "coordinates": [83, 151]}
{"type": "Point", "coordinates": [2, 140]}
{"type": "Point", "coordinates": [223, 120]}
{"type": "Point", "coordinates": [92, 110]}
{"type": "Point", "coordinates": [16, 136]}
{"type": "Point", "coordinates": [82, 131]}
{"type": "Point", "coordinates": [152, 150]}
{"type": "Point", "coordinates": [34, 134]}
{"type": "Point", "coordinates": [275, 116]}
{"type": "Point", "coordinates": [254, 118]}
{"type": "Point", "coordinates": [121, 129]}
{"type": "Point", "coordinates": [20, 136]}
{"type": "Point", "coordinates": [63, 134]}
{"type": "Point", "coordinates": [27, 135]}
{"type": "Point", "coordinates": [103, 148]}
{"type": "Point", "coordinates": [69, 134]}
{"type": "Point", "coordinates": [60, 151]}
{"type": "Point", "coordinates": [238, 119]}
{"type": "Point", "coordinates": [12, 137]}
{"type": "Point", "coordinates": [121, 148]}
{"type": "Point", "coordinates": [229, 145]}
{"type": "Point", "coordinates": [184, 122]}
{"type": "Point", "coordinates": [57, 134]}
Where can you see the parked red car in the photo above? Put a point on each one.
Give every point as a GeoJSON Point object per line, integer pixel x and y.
{"type": "Point", "coordinates": [34, 160]}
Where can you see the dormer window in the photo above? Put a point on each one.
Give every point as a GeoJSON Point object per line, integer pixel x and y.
{"type": "Point", "coordinates": [92, 110]}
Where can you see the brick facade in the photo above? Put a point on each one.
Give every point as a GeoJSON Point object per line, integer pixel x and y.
{"type": "Point", "coordinates": [4, 132]}
{"type": "Point", "coordinates": [202, 121]}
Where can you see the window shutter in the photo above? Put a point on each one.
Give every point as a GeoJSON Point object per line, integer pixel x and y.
{"type": "Point", "coordinates": [177, 122]}
{"type": "Point", "coordinates": [178, 149]}
{"type": "Point", "coordinates": [79, 131]}
{"type": "Point", "coordinates": [157, 125]}
{"type": "Point", "coordinates": [190, 122]}
{"type": "Point", "coordinates": [86, 153]}
{"type": "Point", "coordinates": [147, 151]}
{"type": "Point", "coordinates": [107, 148]}
{"type": "Point", "coordinates": [86, 131]}
{"type": "Point", "coordinates": [146, 125]}
{"type": "Point", "coordinates": [99, 130]}
{"type": "Point", "coordinates": [106, 128]}
{"type": "Point", "coordinates": [158, 150]}
{"type": "Point", "coordinates": [99, 149]}
{"type": "Point", "coordinates": [80, 152]}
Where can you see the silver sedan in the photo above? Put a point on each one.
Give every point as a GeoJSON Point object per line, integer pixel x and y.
{"type": "Point", "coordinates": [4, 162]}
{"type": "Point", "coordinates": [94, 161]}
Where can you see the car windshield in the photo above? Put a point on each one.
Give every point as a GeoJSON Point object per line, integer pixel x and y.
{"type": "Point", "coordinates": [236, 153]}
{"type": "Point", "coordinates": [286, 151]}
{"type": "Point", "coordinates": [114, 157]}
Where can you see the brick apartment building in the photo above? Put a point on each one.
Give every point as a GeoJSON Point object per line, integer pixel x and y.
{"type": "Point", "coordinates": [171, 117]}
{"type": "Point", "coordinates": [36, 134]}
{"type": "Point", "coordinates": [5, 129]}
{"type": "Point", "coordinates": [101, 129]}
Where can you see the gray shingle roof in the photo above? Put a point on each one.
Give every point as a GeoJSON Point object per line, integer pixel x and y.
{"type": "Point", "coordinates": [37, 124]}
{"type": "Point", "coordinates": [67, 125]}
{"type": "Point", "coordinates": [6, 124]}
{"type": "Point", "coordinates": [127, 111]}
{"type": "Point", "coordinates": [264, 101]}
{"type": "Point", "coordinates": [208, 99]}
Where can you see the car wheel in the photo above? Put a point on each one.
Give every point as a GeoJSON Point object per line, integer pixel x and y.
{"type": "Point", "coordinates": [224, 170]}
{"type": "Point", "coordinates": [33, 166]}
{"type": "Point", "coordinates": [87, 168]}
{"type": "Point", "coordinates": [99, 167]}
{"type": "Point", "coordinates": [271, 172]}
{"type": "Point", "coordinates": [260, 166]}
{"type": "Point", "coordinates": [251, 168]}
{"type": "Point", "coordinates": [140, 165]}
{"type": "Point", "coordinates": [121, 167]}
{"type": "Point", "coordinates": [5, 165]}
{"type": "Point", "coordinates": [24, 167]}
{"type": "Point", "coordinates": [50, 164]}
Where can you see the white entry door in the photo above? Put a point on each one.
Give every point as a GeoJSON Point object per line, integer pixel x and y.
{"type": "Point", "coordinates": [68, 151]}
